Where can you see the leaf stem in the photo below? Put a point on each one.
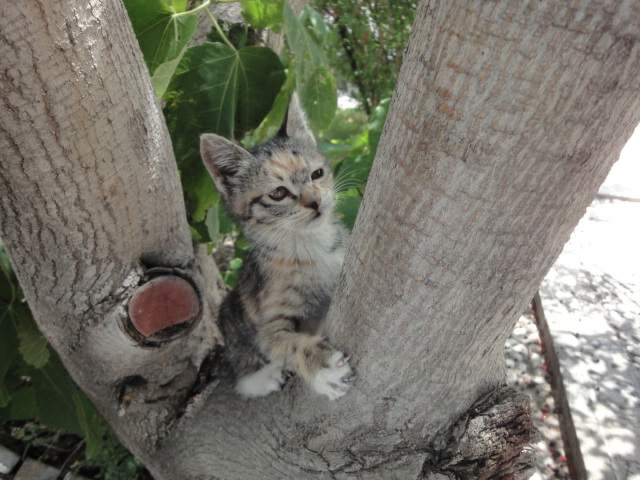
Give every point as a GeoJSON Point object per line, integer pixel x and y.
{"type": "Point", "coordinates": [220, 31]}
{"type": "Point", "coordinates": [204, 4]}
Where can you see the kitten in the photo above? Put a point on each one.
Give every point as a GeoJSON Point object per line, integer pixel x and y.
{"type": "Point", "coordinates": [282, 195]}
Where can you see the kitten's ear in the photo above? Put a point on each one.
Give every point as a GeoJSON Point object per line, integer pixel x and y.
{"type": "Point", "coordinates": [296, 123]}
{"type": "Point", "coordinates": [224, 159]}
{"type": "Point", "coordinates": [282, 133]}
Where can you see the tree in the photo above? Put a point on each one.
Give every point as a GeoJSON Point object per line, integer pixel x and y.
{"type": "Point", "coordinates": [506, 118]}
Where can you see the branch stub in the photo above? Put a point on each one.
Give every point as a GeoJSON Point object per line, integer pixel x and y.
{"type": "Point", "coordinates": [164, 302]}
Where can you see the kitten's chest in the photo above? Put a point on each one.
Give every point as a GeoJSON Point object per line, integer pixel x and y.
{"type": "Point", "coordinates": [307, 283]}
{"type": "Point", "coordinates": [323, 270]}
{"type": "Point", "coordinates": [317, 259]}
{"type": "Point", "coordinates": [316, 287]}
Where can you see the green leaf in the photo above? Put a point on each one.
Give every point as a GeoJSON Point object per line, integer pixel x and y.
{"type": "Point", "coordinates": [225, 91]}
{"type": "Point", "coordinates": [201, 194]}
{"type": "Point", "coordinates": [318, 27]}
{"type": "Point", "coordinates": [33, 346]}
{"type": "Point", "coordinates": [348, 206]}
{"type": "Point", "coordinates": [5, 263]}
{"type": "Point", "coordinates": [23, 404]}
{"type": "Point", "coordinates": [225, 221]}
{"type": "Point", "coordinates": [376, 123]}
{"type": "Point", "coordinates": [235, 264]}
{"type": "Point", "coordinates": [319, 97]}
{"type": "Point", "coordinates": [274, 119]}
{"type": "Point", "coordinates": [163, 29]}
{"type": "Point", "coordinates": [213, 224]}
{"type": "Point", "coordinates": [220, 90]}
{"type": "Point", "coordinates": [316, 84]}
{"type": "Point", "coordinates": [54, 391]}
{"type": "Point", "coordinates": [263, 13]}
{"type": "Point", "coordinates": [94, 429]}
{"type": "Point", "coordinates": [8, 352]}
{"type": "Point", "coordinates": [8, 287]}
{"type": "Point", "coordinates": [5, 395]}
{"type": "Point", "coordinates": [163, 74]}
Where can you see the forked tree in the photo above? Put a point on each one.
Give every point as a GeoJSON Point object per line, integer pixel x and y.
{"type": "Point", "coordinates": [506, 118]}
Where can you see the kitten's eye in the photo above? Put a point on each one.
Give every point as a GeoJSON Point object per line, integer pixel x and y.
{"type": "Point", "coordinates": [316, 174]}
{"type": "Point", "coordinates": [279, 193]}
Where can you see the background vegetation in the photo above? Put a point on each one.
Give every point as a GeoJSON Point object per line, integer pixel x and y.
{"type": "Point", "coordinates": [341, 56]}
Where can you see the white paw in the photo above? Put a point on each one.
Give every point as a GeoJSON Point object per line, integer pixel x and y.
{"type": "Point", "coordinates": [335, 380]}
{"type": "Point", "coordinates": [267, 380]}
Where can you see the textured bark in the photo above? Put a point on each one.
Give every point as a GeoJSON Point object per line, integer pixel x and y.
{"type": "Point", "coordinates": [89, 199]}
{"type": "Point", "coordinates": [506, 118]}
{"type": "Point", "coordinates": [488, 441]}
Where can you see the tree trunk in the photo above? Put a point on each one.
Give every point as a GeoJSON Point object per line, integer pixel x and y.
{"type": "Point", "coordinates": [506, 118]}
{"type": "Point", "coordinates": [90, 201]}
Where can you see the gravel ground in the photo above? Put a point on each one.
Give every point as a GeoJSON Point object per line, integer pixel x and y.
{"type": "Point", "coordinates": [527, 370]}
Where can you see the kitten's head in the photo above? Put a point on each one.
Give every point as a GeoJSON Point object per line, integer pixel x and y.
{"type": "Point", "coordinates": [282, 185]}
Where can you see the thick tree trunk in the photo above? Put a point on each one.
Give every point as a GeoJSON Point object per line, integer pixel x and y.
{"type": "Point", "coordinates": [506, 119]}
{"type": "Point", "coordinates": [89, 200]}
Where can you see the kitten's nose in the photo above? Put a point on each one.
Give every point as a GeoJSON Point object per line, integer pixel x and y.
{"type": "Point", "coordinates": [308, 200]}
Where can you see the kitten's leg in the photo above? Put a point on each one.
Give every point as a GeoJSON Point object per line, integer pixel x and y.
{"type": "Point", "coordinates": [322, 367]}
{"type": "Point", "coordinates": [268, 379]}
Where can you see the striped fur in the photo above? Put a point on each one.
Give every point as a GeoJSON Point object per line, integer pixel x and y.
{"type": "Point", "coordinates": [271, 320]}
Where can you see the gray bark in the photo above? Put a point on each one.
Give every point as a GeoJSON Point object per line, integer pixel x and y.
{"type": "Point", "coordinates": [89, 197]}
{"type": "Point", "coordinates": [506, 118]}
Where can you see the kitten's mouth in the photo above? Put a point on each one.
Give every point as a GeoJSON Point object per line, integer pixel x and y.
{"type": "Point", "coordinates": [315, 216]}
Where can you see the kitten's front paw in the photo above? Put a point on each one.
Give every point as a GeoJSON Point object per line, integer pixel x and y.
{"type": "Point", "coordinates": [334, 380]}
{"type": "Point", "coordinates": [267, 380]}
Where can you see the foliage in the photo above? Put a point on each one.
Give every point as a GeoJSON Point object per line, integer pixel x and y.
{"type": "Point", "coordinates": [372, 35]}
{"type": "Point", "coordinates": [263, 14]}
{"type": "Point", "coordinates": [314, 81]}
{"type": "Point", "coordinates": [163, 29]}
{"type": "Point", "coordinates": [35, 387]}
{"type": "Point", "coordinates": [233, 85]}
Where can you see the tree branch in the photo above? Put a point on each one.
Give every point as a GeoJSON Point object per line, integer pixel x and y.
{"type": "Point", "coordinates": [502, 127]}
{"type": "Point", "coordinates": [91, 201]}
{"type": "Point", "coordinates": [504, 123]}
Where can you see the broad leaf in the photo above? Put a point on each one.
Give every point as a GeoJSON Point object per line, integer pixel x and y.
{"type": "Point", "coordinates": [8, 352]}
{"type": "Point", "coordinates": [225, 91]}
{"type": "Point", "coordinates": [213, 224]}
{"type": "Point", "coordinates": [91, 423]}
{"type": "Point", "coordinates": [316, 84]}
{"type": "Point", "coordinates": [274, 119]}
{"type": "Point", "coordinates": [319, 28]}
{"type": "Point", "coordinates": [219, 90]}
{"type": "Point", "coordinates": [33, 345]}
{"type": "Point", "coordinates": [163, 29]}
{"type": "Point", "coordinates": [225, 222]}
{"type": "Point", "coordinates": [263, 13]}
{"type": "Point", "coordinates": [7, 280]}
{"type": "Point", "coordinates": [319, 98]}
{"type": "Point", "coordinates": [201, 194]}
{"type": "Point", "coordinates": [54, 391]}
{"type": "Point", "coordinates": [376, 123]}
{"type": "Point", "coordinates": [348, 205]}
{"type": "Point", "coordinates": [23, 405]}
{"type": "Point", "coordinates": [163, 74]}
